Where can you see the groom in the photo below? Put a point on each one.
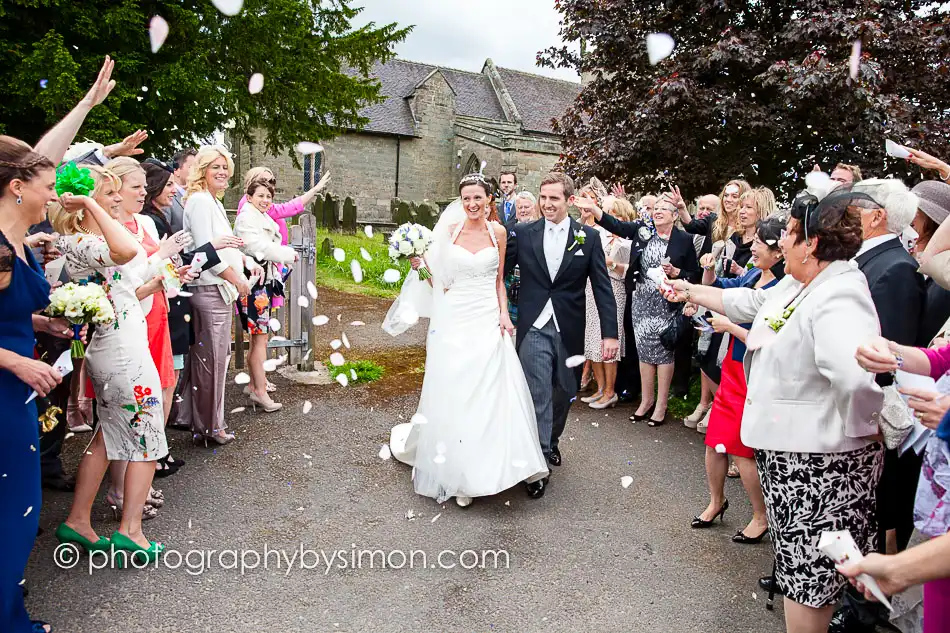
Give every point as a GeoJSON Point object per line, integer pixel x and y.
{"type": "Point", "coordinates": [556, 257]}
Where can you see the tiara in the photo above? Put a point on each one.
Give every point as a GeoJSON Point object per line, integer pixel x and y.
{"type": "Point", "coordinates": [476, 178]}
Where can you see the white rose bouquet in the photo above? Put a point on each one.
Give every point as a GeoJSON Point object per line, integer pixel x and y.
{"type": "Point", "coordinates": [411, 240]}
{"type": "Point", "coordinates": [80, 305]}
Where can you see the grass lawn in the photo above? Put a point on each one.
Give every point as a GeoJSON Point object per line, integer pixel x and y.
{"type": "Point", "coordinates": [338, 275]}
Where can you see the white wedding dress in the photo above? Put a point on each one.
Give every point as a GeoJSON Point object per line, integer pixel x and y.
{"type": "Point", "coordinates": [475, 432]}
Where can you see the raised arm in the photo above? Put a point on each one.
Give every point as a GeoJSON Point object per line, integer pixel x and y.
{"type": "Point", "coordinates": [54, 143]}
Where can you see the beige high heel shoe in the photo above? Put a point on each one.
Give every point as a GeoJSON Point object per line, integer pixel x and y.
{"type": "Point", "coordinates": [268, 405]}
{"type": "Point", "coordinates": [148, 511]}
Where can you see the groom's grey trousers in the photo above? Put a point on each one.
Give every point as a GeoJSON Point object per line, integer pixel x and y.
{"type": "Point", "coordinates": [552, 384]}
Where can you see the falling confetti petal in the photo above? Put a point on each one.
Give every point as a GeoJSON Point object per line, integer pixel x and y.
{"type": "Point", "coordinates": [339, 254]}
{"type": "Point", "coordinates": [356, 323]}
{"type": "Point", "coordinates": [321, 319]}
{"type": "Point", "coordinates": [242, 379]}
{"type": "Point", "coordinates": [335, 343]}
{"type": "Point", "coordinates": [238, 410]}
{"type": "Point", "coordinates": [28, 510]}
{"type": "Point", "coordinates": [274, 325]}
{"type": "Point", "coordinates": [43, 83]}
{"type": "Point", "coordinates": [311, 290]}
{"type": "Point", "coordinates": [855, 63]}
{"type": "Point", "coordinates": [270, 364]}
{"type": "Point", "coordinates": [157, 32]}
{"type": "Point", "coordinates": [720, 448]}
{"type": "Point", "coordinates": [302, 301]}
{"type": "Point", "coordinates": [626, 480]}
{"type": "Point", "coordinates": [306, 356]}
{"type": "Point", "coordinates": [342, 379]}
{"type": "Point", "coordinates": [346, 341]}
{"type": "Point", "coordinates": [307, 405]}
{"type": "Point", "coordinates": [306, 147]}
{"type": "Point", "coordinates": [439, 459]}
{"type": "Point", "coordinates": [357, 271]}
{"type": "Point", "coordinates": [278, 338]}
{"type": "Point", "coordinates": [418, 418]}
{"type": "Point", "coordinates": [228, 7]}
{"type": "Point", "coordinates": [336, 359]}
{"type": "Point", "coordinates": [368, 229]}
{"type": "Point", "coordinates": [365, 254]}
{"type": "Point", "coordinates": [410, 316]}
{"type": "Point", "coordinates": [256, 84]}
{"type": "Point", "coordinates": [659, 47]}
{"type": "Point", "coordinates": [391, 275]}
{"type": "Point", "coordinates": [384, 452]}
{"type": "Point", "coordinates": [574, 361]}
{"type": "Point", "coordinates": [187, 318]}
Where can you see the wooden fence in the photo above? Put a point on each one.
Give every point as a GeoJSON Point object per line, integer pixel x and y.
{"type": "Point", "coordinates": [296, 321]}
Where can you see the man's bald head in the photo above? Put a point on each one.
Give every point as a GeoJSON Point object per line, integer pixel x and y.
{"type": "Point", "coordinates": [707, 204]}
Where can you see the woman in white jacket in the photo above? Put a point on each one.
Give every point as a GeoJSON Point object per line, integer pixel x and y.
{"type": "Point", "coordinates": [262, 241]}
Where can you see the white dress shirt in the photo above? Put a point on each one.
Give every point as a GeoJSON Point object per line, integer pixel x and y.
{"type": "Point", "coordinates": [873, 242]}
{"type": "Point", "coordinates": [555, 243]}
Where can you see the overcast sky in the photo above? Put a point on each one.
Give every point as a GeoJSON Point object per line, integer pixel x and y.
{"type": "Point", "coordinates": [463, 34]}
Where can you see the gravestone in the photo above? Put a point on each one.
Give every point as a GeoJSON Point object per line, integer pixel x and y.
{"type": "Point", "coordinates": [349, 215]}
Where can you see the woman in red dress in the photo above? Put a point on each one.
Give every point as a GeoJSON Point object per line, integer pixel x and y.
{"type": "Point", "coordinates": [723, 436]}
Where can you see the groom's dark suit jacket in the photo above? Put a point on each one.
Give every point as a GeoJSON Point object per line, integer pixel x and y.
{"type": "Point", "coordinates": [580, 263]}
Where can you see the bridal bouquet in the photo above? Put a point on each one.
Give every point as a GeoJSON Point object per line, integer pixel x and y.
{"type": "Point", "coordinates": [411, 240]}
{"type": "Point", "coordinates": [80, 305]}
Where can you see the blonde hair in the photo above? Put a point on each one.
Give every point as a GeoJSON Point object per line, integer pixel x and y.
{"type": "Point", "coordinates": [203, 160]}
{"type": "Point", "coordinates": [724, 226]}
{"type": "Point", "coordinates": [123, 166]}
{"type": "Point", "coordinates": [622, 209]}
{"type": "Point", "coordinates": [67, 222]}
{"type": "Point", "coordinates": [257, 173]}
{"type": "Point", "coordinates": [763, 200]}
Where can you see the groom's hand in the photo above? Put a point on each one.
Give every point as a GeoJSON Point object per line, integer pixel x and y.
{"type": "Point", "coordinates": [610, 347]}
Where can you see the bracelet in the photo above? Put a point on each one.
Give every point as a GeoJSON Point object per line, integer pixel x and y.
{"type": "Point", "coordinates": [686, 290]}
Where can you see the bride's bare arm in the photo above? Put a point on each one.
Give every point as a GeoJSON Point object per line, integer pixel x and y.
{"type": "Point", "coordinates": [503, 315]}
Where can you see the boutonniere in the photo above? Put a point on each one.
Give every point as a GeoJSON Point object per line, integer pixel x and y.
{"type": "Point", "coordinates": [579, 237]}
{"type": "Point", "coordinates": [778, 321]}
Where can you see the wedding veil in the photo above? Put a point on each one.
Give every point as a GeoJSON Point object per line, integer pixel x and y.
{"type": "Point", "coordinates": [416, 297]}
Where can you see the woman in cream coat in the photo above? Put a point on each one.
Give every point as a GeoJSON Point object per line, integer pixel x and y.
{"type": "Point", "coordinates": [811, 412]}
{"type": "Point", "coordinates": [262, 241]}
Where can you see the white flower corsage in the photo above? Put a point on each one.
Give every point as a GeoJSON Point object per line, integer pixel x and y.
{"type": "Point", "coordinates": [777, 322]}
{"type": "Point", "coordinates": [579, 237]}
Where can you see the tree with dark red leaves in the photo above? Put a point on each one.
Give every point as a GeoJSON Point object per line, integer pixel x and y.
{"type": "Point", "coordinates": [761, 90]}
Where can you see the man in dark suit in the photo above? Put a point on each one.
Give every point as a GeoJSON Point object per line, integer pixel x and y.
{"type": "Point", "coordinates": [506, 206]}
{"type": "Point", "coordinates": [181, 164]}
{"type": "Point", "coordinates": [556, 256]}
{"type": "Point", "coordinates": [898, 292]}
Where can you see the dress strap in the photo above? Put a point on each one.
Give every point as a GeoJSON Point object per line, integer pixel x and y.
{"type": "Point", "coordinates": [491, 234]}
{"type": "Point", "coordinates": [458, 231]}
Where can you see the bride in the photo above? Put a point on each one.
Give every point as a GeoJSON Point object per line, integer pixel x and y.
{"type": "Point", "coordinates": [474, 433]}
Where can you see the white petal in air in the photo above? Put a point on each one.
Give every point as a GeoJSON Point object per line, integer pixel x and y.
{"type": "Point", "coordinates": [339, 254]}
{"type": "Point", "coordinates": [720, 448]}
{"type": "Point", "coordinates": [307, 405]}
{"type": "Point", "coordinates": [270, 364]}
{"type": "Point", "coordinates": [391, 275]}
{"type": "Point", "coordinates": [574, 361]}
{"type": "Point", "coordinates": [342, 379]}
{"type": "Point", "coordinates": [368, 229]}
{"type": "Point", "coordinates": [357, 271]}
{"type": "Point", "coordinates": [311, 290]}
{"type": "Point", "coordinates": [439, 459]}
{"type": "Point", "coordinates": [418, 418]}
{"type": "Point", "coordinates": [855, 63]}
{"type": "Point", "coordinates": [228, 7]}
{"type": "Point", "coordinates": [336, 359]}
{"type": "Point", "coordinates": [336, 343]}
{"type": "Point", "coordinates": [306, 147]}
{"type": "Point", "coordinates": [384, 452]}
{"type": "Point", "coordinates": [274, 325]}
{"type": "Point", "coordinates": [659, 47]}
{"type": "Point", "coordinates": [320, 319]}
{"type": "Point", "coordinates": [409, 315]}
{"type": "Point", "coordinates": [365, 254]}
{"type": "Point", "coordinates": [626, 480]}
{"type": "Point", "coordinates": [157, 32]}
{"type": "Point", "coordinates": [242, 379]}
{"type": "Point", "coordinates": [353, 374]}
{"type": "Point", "coordinates": [303, 302]}
{"type": "Point", "coordinates": [256, 84]}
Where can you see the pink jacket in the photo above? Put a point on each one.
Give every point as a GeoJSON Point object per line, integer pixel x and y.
{"type": "Point", "coordinates": [939, 361]}
{"type": "Point", "coordinates": [278, 212]}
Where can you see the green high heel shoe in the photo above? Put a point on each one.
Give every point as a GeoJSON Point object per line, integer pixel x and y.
{"type": "Point", "coordinates": [135, 552]}
{"type": "Point", "coordinates": [65, 534]}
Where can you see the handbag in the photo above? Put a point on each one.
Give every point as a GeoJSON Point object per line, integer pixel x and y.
{"type": "Point", "coordinates": [674, 330]}
{"type": "Point", "coordinates": [896, 421]}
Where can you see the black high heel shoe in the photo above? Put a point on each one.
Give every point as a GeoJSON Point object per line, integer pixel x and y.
{"type": "Point", "coordinates": [699, 523]}
{"type": "Point", "coordinates": [740, 537]}
{"type": "Point", "coordinates": [646, 416]}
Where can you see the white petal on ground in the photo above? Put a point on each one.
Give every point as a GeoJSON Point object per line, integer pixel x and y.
{"type": "Point", "coordinates": [626, 480]}
{"type": "Point", "coordinates": [410, 515]}
{"type": "Point", "coordinates": [238, 410]}
{"type": "Point", "coordinates": [365, 254]}
{"type": "Point", "coordinates": [242, 379]}
{"type": "Point", "coordinates": [157, 32]}
{"type": "Point", "coordinates": [342, 379]}
{"type": "Point", "coordinates": [720, 448]}
{"type": "Point", "coordinates": [228, 7]}
{"type": "Point", "coordinates": [336, 359]}
{"type": "Point", "coordinates": [659, 47]}
{"type": "Point", "coordinates": [346, 341]}
{"type": "Point", "coordinates": [339, 254]}
{"type": "Point", "coordinates": [368, 229]}
{"type": "Point", "coordinates": [307, 405]}
{"type": "Point", "coordinates": [303, 302]}
{"type": "Point", "coordinates": [384, 452]}
{"type": "Point", "coordinates": [335, 343]}
{"type": "Point", "coordinates": [312, 290]}
{"type": "Point", "coordinates": [256, 83]}
{"type": "Point", "coordinates": [356, 323]}
{"type": "Point", "coordinates": [357, 271]}
{"type": "Point", "coordinates": [391, 275]}
{"type": "Point", "coordinates": [574, 361]}
{"type": "Point", "coordinates": [320, 319]}
{"type": "Point", "coordinates": [435, 518]}
{"type": "Point", "coordinates": [353, 374]}
{"type": "Point", "coordinates": [306, 147]}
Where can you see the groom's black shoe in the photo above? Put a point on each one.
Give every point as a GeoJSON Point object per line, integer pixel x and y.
{"type": "Point", "coordinates": [537, 488]}
{"type": "Point", "coordinates": [554, 458]}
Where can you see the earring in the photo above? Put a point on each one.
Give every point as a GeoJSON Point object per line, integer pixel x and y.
{"type": "Point", "coordinates": [19, 199]}
{"type": "Point", "coordinates": [805, 261]}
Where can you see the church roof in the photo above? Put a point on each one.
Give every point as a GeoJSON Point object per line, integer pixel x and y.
{"type": "Point", "coordinates": [538, 99]}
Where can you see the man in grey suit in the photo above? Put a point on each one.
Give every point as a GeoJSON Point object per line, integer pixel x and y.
{"type": "Point", "coordinates": [181, 164]}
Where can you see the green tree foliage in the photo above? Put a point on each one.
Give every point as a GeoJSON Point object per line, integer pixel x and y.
{"type": "Point", "coordinates": [755, 89]}
{"type": "Point", "coordinates": [197, 83]}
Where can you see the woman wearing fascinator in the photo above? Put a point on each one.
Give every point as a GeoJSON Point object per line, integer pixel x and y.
{"type": "Point", "coordinates": [474, 433]}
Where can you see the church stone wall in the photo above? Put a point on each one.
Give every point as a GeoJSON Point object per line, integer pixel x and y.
{"type": "Point", "coordinates": [426, 168]}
